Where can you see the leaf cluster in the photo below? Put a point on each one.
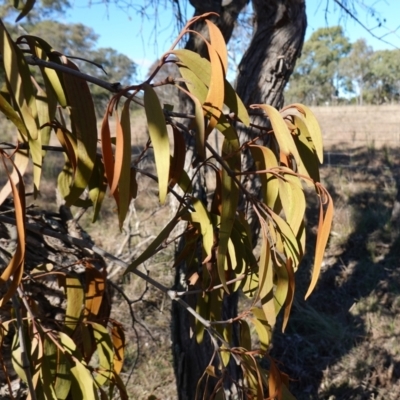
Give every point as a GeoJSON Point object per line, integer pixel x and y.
{"type": "Point", "coordinates": [62, 107]}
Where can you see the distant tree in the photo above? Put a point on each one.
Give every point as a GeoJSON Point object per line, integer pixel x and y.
{"type": "Point", "coordinates": [356, 68]}
{"type": "Point", "coordinates": [384, 85]}
{"type": "Point", "coordinates": [317, 78]}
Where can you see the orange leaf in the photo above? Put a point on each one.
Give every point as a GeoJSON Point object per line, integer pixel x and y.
{"type": "Point", "coordinates": [15, 267]}
{"type": "Point", "coordinates": [218, 42]}
{"type": "Point", "coordinates": [95, 288]}
{"type": "Point", "coordinates": [324, 228]}
{"type": "Point", "coordinates": [118, 339]}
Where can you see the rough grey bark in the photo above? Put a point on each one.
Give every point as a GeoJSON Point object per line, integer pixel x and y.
{"type": "Point", "coordinates": [279, 28]}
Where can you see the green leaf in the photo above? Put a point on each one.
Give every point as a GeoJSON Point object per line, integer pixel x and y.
{"type": "Point", "coordinates": [75, 302]}
{"type": "Point", "coordinates": [59, 368]}
{"type": "Point", "coordinates": [84, 129]}
{"type": "Point", "coordinates": [19, 84]}
{"type": "Point", "coordinates": [262, 328]}
{"type": "Point", "coordinates": [307, 151]}
{"type": "Point", "coordinates": [281, 131]}
{"type": "Point", "coordinates": [265, 159]}
{"type": "Point", "coordinates": [293, 201]}
{"type": "Point", "coordinates": [13, 116]}
{"type": "Point", "coordinates": [83, 386]}
{"type": "Point", "coordinates": [105, 353]}
{"type": "Point", "coordinates": [159, 138]}
{"type": "Point", "coordinates": [202, 217]}
{"type": "Point", "coordinates": [266, 284]}
{"type": "Point", "coordinates": [200, 71]}
{"type": "Point", "coordinates": [229, 204]}
{"type": "Point", "coordinates": [314, 130]}
{"type": "Point", "coordinates": [41, 49]}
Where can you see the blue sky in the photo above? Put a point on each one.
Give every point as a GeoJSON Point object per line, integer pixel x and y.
{"type": "Point", "coordinates": [144, 38]}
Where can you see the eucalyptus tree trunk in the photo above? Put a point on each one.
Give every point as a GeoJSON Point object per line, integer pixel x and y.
{"type": "Point", "coordinates": [279, 28]}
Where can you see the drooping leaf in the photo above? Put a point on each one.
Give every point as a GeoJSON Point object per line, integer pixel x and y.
{"type": "Point", "coordinates": [266, 284]}
{"type": "Point", "coordinates": [123, 157]}
{"type": "Point", "coordinates": [95, 288]}
{"type": "Point", "coordinates": [307, 152]}
{"type": "Point", "coordinates": [314, 130]}
{"type": "Point", "coordinates": [19, 84]}
{"type": "Point", "coordinates": [281, 132]}
{"type": "Point", "coordinates": [218, 43]}
{"type": "Point", "coordinates": [59, 369]}
{"type": "Point", "coordinates": [324, 229]}
{"type": "Point", "coordinates": [83, 386]}
{"type": "Point", "coordinates": [118, 340]}
{"type": "Point", "coordinates": [203, 218]}
{"type": "Point", "coordinates": [159, 138]}
{"type": "Point", "coordinates": [197, 75]}
{"type": "Point", "coordinates": [265, 159]}
{"type": "Point", "coordinates": [290, 294]}
{"type": "Point", "coordinates": [84, 129]}
{"type": "Point", "coordinates": [104, 352]}
{"type": "Point", "coordinates": [52, 79]}
{"type": "Point", "coordinates": [262, 328]}
{"type": "Point", "coordinates": [12, 115]}
{"type": "Point", "coordinates": [106, 149]}
{"type": "Point", "coordinates": [293, 201]}
{"type": "Point", "coordinates": [15, 268]}
{"type": "Point", "coordinates": [75, 301]}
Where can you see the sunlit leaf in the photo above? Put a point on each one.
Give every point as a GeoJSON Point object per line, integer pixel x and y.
{"type": "Point", "coordinates": [197, 75]}
{"type": "Point", "coordinates": [82, 386]}
{"type": "Point", "coordinates": [18, 78]}
{"type": "Point", "coordinates": [75, 301]}
{"type": "Point", "coordinates": [95, 286]}
{"type": "Point", "coordinates": [281, 131]}
{"type": "Point", "coordinates": [104, 352]}
{"type": "Point", "coordinates": [265, 159]}
{"type": "Point", "coordinates": [118, 340]}
{"type": "Point", "coordinates": [159, 138]}
{"type": "Point", "coordinates": [314, 130]}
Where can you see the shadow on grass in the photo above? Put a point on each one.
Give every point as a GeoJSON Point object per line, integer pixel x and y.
{"type": "Point", "coordinates": [342, 342]}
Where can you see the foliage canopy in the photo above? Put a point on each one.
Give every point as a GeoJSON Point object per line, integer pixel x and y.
{"type": "Point", "coordinates": [81, 355]}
